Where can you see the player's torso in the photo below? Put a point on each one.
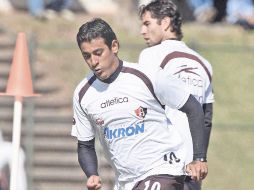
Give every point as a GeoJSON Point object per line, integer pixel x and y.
{"type": "Point", "coordinates": [131, 124]}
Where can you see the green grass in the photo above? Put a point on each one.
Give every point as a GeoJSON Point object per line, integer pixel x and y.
{"type": "Point", "coordinates": [233, 76]}
{"type": "Point", "coordinates": [230, 159]}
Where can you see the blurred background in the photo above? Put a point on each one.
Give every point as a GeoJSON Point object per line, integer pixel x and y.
{"type": "Point", "coordinates": [219, 31]}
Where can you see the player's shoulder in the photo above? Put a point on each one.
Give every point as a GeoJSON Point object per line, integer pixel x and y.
{"type": "Point", "coordinates": [150, 51]}
{"type": "Point", "coordinates": [83, 82]}
{"type": "Point", "coordinates": [129, 64]}
{"type": "Point", "coordinates": [195, 53]}
{"type": "Point", "coordinates": [132, 65]}
{"type": "Point", "coordinates": [150, 57]}
{"type": "Point", "coordinates": [139, 69]}
{"type": "Point", "coordinates": [198, 57]}
{"type": "Point", "coordinates": [203, 61]}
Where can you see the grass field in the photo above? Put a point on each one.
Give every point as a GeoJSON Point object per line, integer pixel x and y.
{"type": "Point", "coordinates": [230, 159]}
{"type": "Point", "coordinates": [231, 53]}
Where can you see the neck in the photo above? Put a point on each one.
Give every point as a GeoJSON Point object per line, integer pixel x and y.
{"type": "Point", "coordinates": [115, 73]}
{"type": "Point", "coordinates": [172, 39]}
{"type": "Point", "coordinates": [170, 36]}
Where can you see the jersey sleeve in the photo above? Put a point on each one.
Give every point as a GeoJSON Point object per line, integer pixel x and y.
{"type": "Point", "coordinates": [147, 60]}
{"type": "Point", "coordinates": [81, 126]}
{"type": "Point", "coordinates": [170, 90]}
{"type": "Point", "coordinates": [142, 58]}
{"type": "Point", "coordinates": [209, 96]}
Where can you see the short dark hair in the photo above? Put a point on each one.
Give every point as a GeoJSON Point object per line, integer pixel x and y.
{"type": "Point", "coordinates": [96, 28]}
{"type": "Point", "coordinates": [160, 9]}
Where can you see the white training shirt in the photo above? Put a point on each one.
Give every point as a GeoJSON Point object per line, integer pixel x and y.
{"type": "Point", "coordinates": [131, 124]}
{"type": "Point", "coordinates": [177, 59]}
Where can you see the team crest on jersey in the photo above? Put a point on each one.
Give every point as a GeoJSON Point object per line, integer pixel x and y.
{"type": "Point", "coordinates": [99, 122]}
{"type": "Point", "coordinates": [141, 112]}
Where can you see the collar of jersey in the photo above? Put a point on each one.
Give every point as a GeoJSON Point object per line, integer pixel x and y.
{"type": "Point", "coordinates": [115, 74]}
{"type": "Point", "coordinates": [171, 41]}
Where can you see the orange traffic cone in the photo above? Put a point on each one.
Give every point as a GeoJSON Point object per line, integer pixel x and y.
{"type": "Point", "coordinates": [20, 81]}
{"type": "Point", "coordinates": [19, 85]}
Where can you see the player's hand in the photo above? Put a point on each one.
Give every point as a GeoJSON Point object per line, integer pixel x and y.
{"type": "Point", "coordinates": [94, 183]}
{"type": "Point", "coordinates": [197, 170]}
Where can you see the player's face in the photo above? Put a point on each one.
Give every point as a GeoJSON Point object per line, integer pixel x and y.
{"type": "Point", "coordinates": [152, 32]}
{"type": "Point", "coordinates": [100, 59]}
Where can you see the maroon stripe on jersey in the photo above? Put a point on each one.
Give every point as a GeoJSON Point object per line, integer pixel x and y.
{"type": "Point", "coordinates": [178, 54]}
{"type": "Point", "coordinates": [144, 78]}
{"type": "Point", "coordinates": [85, 87]}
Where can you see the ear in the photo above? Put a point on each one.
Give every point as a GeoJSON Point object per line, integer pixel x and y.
{"type": "Point", "coordinates": [115, 46]}
{"type": "Point", "coordinates": [165, 23]}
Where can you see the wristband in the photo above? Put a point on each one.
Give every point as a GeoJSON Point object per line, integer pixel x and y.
{"type": "Point", "coordinates": [200, 159]}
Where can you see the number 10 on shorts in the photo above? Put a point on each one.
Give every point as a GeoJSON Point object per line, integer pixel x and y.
{"type": "Point", "coordinates": [154, 186]}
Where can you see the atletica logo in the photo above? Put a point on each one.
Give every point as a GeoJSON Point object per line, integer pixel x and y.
{"type": "Point", "coordinates": [114, 101]}
{"type": "Point", "coordinates": [124, 132]}
{"type": "Point", "coordinates": [191, 81]}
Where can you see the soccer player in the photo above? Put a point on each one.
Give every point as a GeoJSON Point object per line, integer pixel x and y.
{"type": "Point", "coordinates": [161, 29]}
{"type": "Point", "coordinates": [124, 108]}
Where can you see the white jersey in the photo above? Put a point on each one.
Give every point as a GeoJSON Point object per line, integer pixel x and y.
{"type": "Point", "coordinates": [128, 117]}
{"type": "Point", "coordinates": [179, 60]}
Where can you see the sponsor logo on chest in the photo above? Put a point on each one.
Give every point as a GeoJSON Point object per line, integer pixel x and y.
{"type": "Point", "coordinates": [114, 101]}
{"type": "Point", "coordinates": [124, 131]}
